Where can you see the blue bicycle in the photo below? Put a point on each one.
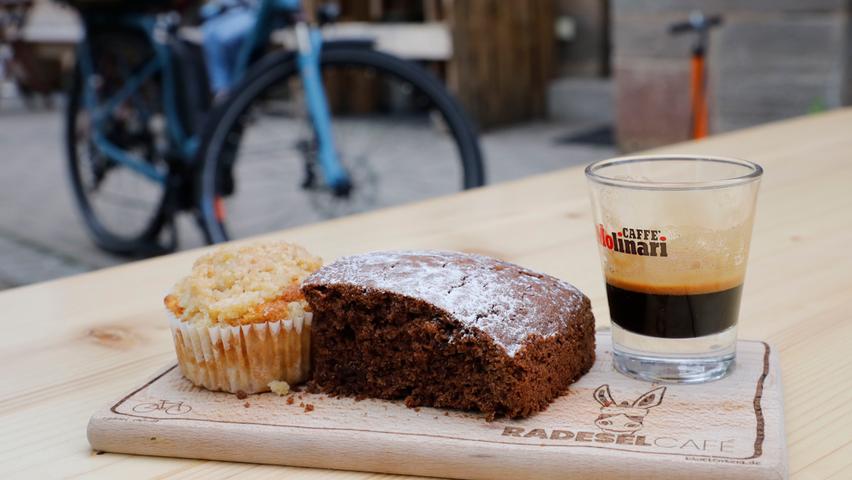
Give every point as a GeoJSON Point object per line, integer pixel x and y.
{"type": "Point", "coordinates": [244, 134]}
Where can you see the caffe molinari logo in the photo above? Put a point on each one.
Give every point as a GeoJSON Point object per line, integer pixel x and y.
{"type": "Point", "coordinates": [634, 241]}
{"type": "Point", "coordinates": [620, 424]}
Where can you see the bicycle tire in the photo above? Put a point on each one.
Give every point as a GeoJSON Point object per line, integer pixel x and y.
{"type": "Point", "coordinates": [277, 68]}
{"type": "Point", "coordinates": [180, 409]}
{"type": "Point", "coordinates": [141, 243]}
{"type": "Point", "coordinates": [146, 407]}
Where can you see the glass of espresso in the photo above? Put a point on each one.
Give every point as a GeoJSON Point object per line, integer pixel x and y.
{"type": "Point", "coordinates": [673, 234]}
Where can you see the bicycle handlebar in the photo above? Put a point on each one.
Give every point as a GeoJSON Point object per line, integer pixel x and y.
{"type": "Point", "coordinates": [696, 23]}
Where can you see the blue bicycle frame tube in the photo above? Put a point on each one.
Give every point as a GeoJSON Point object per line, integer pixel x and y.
{"type": "Point", "coordinates": [308, 59]}
{"type": "Point", "coordinates": [308, 62]}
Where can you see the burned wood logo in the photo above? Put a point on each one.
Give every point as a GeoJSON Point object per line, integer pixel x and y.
{"type": "Point", "coordinates": [625, 417]}
{"type": "Point", "coordinates": [165, 406]}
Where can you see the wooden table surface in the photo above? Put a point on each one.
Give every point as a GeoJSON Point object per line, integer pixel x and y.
{"type": "Point", "coordinates": [69, 346]}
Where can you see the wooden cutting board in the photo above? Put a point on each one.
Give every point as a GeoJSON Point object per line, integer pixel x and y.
{"type": "Point", "coordinates": [732, 428]}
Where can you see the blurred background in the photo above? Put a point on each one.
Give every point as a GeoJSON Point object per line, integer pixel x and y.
{"type": "Point", "coordinates": [549, 84]}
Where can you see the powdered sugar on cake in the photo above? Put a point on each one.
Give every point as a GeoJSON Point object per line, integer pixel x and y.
{"type": "Point", "coordinates": [507, 302]}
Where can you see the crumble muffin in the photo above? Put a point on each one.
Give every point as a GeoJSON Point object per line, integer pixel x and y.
{"type": "Point", "coordinates": [240, 321]}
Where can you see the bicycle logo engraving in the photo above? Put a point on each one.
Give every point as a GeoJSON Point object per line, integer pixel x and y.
{"type": "Point", "coordinates": [166, 406]}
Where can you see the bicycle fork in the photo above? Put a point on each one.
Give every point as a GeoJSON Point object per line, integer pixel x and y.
{"type": "Point", "coordinates": [309, 42]}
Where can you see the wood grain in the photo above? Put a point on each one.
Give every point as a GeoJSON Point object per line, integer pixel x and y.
{"type": "Point", "coordinates": [502, 57]}
{"type": "Point", "coordinates": [732, 428]}
{"type": "Point", "coordinates": [68, 346]}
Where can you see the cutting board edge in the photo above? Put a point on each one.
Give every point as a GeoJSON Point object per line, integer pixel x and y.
{"type": "Point", "coordinates": [346, 452]}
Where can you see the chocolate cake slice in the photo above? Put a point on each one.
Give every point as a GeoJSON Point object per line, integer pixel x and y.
{"type": "Point", "coordinates": [447, 329]}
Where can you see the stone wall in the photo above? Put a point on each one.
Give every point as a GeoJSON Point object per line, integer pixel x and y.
{"type": "Point", "coordinates": [587, 53]}
{"type": "Point", "coordinates": [770, 60]}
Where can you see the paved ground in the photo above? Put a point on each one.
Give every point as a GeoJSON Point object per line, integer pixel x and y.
{"type": "Point", "coordinates": [41, 236]}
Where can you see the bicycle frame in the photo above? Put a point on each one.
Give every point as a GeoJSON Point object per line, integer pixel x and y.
{"type": "Point", "coordinates": [309, 41]}
{"type": "Point", "coordinates": [100, 109]}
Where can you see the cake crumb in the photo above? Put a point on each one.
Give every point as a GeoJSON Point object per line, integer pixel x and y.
{"type": "Point", "coordinates": [446, 414]}
{"type": "Point", "coordinates": [417, 409]}
{"type": "Point", "coordinates": [301, 404]}
{"type": "Point", "coordinates": [247, 404]}
{"type": "Point", "coordinates": [309, 407]}
{"type": "Point", "coordinates": [241, 394]}
{"type": "Point", "coordinates": [279, 387]}
{"type": "Point", "coordinates": [290, 400]}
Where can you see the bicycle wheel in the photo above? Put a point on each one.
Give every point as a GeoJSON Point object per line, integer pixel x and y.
{"type": "Point", "coordinates": [146, 407]}
{"type": "Point", "coordinates": [399, 134]}
{"type": "Point", "coordinates": [178, 409]}
{"type": "Point", "coordinates": [123, 210]}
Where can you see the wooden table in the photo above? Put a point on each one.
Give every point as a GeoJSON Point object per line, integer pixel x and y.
{"type": "Point", "coordinates": [69, 346]}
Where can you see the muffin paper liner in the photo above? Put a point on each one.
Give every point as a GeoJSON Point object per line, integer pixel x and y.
{"type": "Point", "coordinates": [244, 357]}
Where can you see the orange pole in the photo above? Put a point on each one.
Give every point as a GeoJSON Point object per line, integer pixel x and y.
{"type": "Point", "coordinates": [699, 98]}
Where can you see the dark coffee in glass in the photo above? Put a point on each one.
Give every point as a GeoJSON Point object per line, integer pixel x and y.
{"type": "Point", "coordinates": [666, 315]}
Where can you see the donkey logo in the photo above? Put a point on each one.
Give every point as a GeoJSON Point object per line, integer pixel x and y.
{"type": "Point", "coordinates": [625, 417]}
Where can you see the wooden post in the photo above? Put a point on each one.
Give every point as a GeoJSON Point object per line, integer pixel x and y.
{"type": "Point", "coordinates": [502, 57]}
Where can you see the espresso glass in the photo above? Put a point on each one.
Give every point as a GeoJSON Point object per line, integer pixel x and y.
{"type": "Point", "coordinates": [673, 234]}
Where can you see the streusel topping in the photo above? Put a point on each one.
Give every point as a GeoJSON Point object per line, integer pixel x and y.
{"type": "Point", "coordinates": [244, 284]}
